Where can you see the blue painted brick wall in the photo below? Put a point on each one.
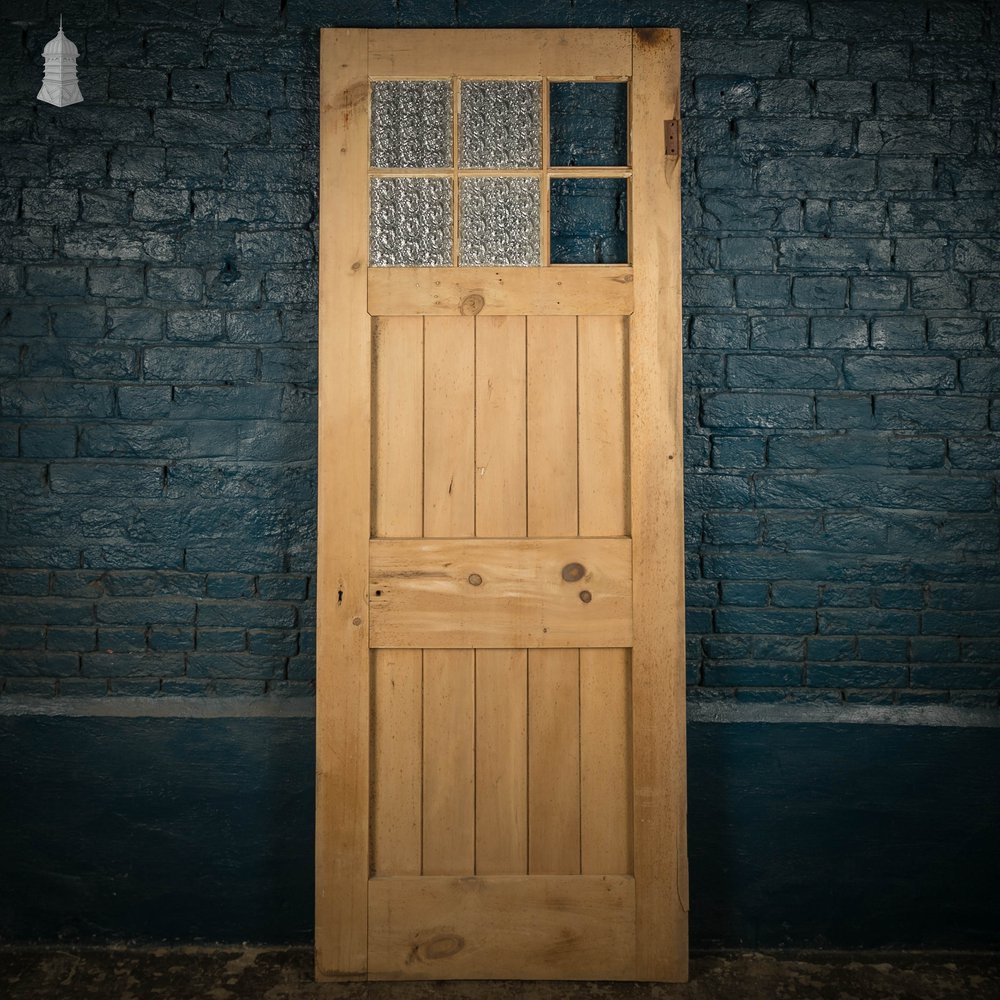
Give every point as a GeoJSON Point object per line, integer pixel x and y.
{"type": "Point", "coordinates": [842, 292]}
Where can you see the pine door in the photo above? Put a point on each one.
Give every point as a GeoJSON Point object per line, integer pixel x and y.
{"type": "Point", "coordinates": [500, 752]}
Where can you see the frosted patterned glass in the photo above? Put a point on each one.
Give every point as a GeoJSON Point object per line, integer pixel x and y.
{"type": "Point", "coordinates": [411, 123]}
{"type": "Point", "coordinates": [500, 124]}
{"type": "Point", "coordinates": [410, 222]}
{"type": "Point", "coordinates": [499, 221]}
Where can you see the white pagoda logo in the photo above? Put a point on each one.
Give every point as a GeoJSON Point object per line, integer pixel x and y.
{"type": "Point", "coordinates": [59, 86]}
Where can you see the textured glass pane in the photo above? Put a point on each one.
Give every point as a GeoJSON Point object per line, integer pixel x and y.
{"type": "Point", "coordinates": [411, 123]}
{"type": "Point", "coordinates": [588, 124]}
{"type": "Point", "coordinates": [500, 124]}
{"type": "Point", "coordinates": [498, 221]}
{"type": "Point", "coordinates": [589, 220]}
{"type": "Point", "coordinates": [410, 222]}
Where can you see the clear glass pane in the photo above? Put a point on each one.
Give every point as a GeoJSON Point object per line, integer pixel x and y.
{"type": "Point", "coordinates": [589, 220]}
{"type": "Point", "coordinates": [500, 124]}
{"type": "Point", "coordinates": [499, 221]}
{"type": "Point", "coordinates": [588, 124]}
{"type": "Point", "coordinates": [410, 222]}
{"type": "Point", "coordinates": [411, 123]}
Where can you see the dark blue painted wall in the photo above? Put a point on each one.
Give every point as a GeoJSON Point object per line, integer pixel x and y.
{"type": "Point", "coordinates": [842, 292]}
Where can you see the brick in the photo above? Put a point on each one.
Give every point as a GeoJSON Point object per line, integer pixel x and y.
{"type": "Point", "coordinates": [55, 280]}
{"type": "Point", "coordinates": [105, 206]}
{"type": "Point", "coordinates": [79, 322]}
{"type": "Point", "coordinates": [257, 89]}
{"type": "Point", "coordinates": [135, 324]}
{"type": "Point", "coordinates": [198, 364]}
{"type": "Point", "coordinates": [881, 292]}
{"type": "Point", "coordinates": [51, 399]}
{"type": "Point", "coordinates": [25, 243]}
{"type": "Point", "coordinates": [955, 677]}
{"type": "Point", "coordinates": [956, 333]}
{"type": "Point", "coordinates": [974, 453]}
{"type": "Point", "coordinates": [778, 332]}
{"type": "Point", "coordinates": [820, 292]}
{"type": "Point", "coordinates": [930, 413]}
{"type": "Point", "coordinates": [800, 451]}
{"type": "Point", "coordinates": [836, 253]}
{"type": "Point", "coordinates": [116, 281]}
{"type": "Point", "coordinates": [719, 331]}
{"type": "Point", "coordinates": [161, 205]}
{"type": "Point", "coordinates": [925, 137]}
{"type": "Point", "coordinates": [799, 621]}
{"type": "Point", "coordinates": [42, 441]}
{"type": "Point", "coordinates": [183, 284]}
{"type": "Point", "coordinates": [923, 254]}
{"type": "Point", "coordinates": [880, 61]}
{"type": "Point", "coordinates": [884, 372]}
{"type": "Point", "coordinates": [812, 59]}
{"type": "Point", "coordinates": [902, 174]}
{"type": "Point", "coordinates": [50, 205]}
{"type": "Point", "coordinates": [897, 99]}
{"type": "Point", "coordinates": [176, 125]}
{"type": "Point", "coordinates": [791, 97]}
{"type": "Point", "coordinates": [817, 174]}
{"type": "Point", "coordinates": [137, 163]}
{"type": "Point", "coordinates": [849, 676]}
{"type": "Point", "coordinates": [898, 333]}
{"type": "Point", "coordinates": [137, 85]}
{"type": "Point", "coordinates": [980, 375]}
{"type": "Point", "coordinates": [202, 325]}
{"type": "Point", "coordinates": [744, 593]}
{"type": "Point", "coordinates": [794, 135]}
{"type": "Point", "coordinates": [276, 246]}
{"type": "Point", "coordinates": [746, 252]}
{"type": "Point", "coordinates": [951, 216]}
{"type": "Point", "coordinates": [753, 675]}
{"type": "Point", "coordinates": [706, 291]}
{"type": "Point", "coordinates": [738, 452]}
{"type": "Point", "coordinates": [763, 291]}
{"type": "Point", "coordinates": [838, 331]}
{"type": "Point", "coordinates": [748, 410]}
{"type": "Point", "coordinates": [986, 294]}
{"type": "Point", "coordinates": [724, 95]}
{"type": "Point", "coordinates": [196, 86]}
{"type": "Point", "coordinates": [840, 19]}
{"type": "Point", "coordinates": [763, 371]}
{"type": "Point", "coordinates": [843, 97]}
{"type": "Point", "coordinates": [115, 243]}
{"type": "Point", "coordinates": [727, 173]}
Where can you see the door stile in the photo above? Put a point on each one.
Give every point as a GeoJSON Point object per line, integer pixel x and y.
{"type": "Point", "coordinates": [657, 495]}
{"type": "Point", "coordinates": [343, 526]}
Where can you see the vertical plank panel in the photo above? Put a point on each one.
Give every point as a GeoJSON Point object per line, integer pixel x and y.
{"type": "Point", "coordinates": [344, 465]}
{"type": "Point", "coordinates": [397, 452]}
{"type": "Point", "coordinates": [659, 766]}
{"type": "Point", "coordinates": [553, 675]}
{"type": "Point", "coordinates": [501, 674]}
{"type": "Point", "coordinates": [449, 427]}
{"type": "Point", "coordinates": [501, 761]}
{"type": "Point", "coordinates": [397, 512]}
{"type": "Point", "coordinates": [396, 771]}
{"type": "Point", "coordinates": [605, 772]}
{"type": "Point", "coordinates": [603, 425]}
{"type": "Point", "coordinates": [553, 761]}
{"type": "Point", "coordinates": [552, 430]}
{"type": "Point", "coordinates": [501, 468]}
{"type": "Point", "coordinates": [449, 762]}
{"type": "Point", "coordinates": [449, 675]}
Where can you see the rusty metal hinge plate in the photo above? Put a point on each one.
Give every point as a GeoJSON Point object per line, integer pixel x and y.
{"type": "Point", "coordinates": [672, 137]}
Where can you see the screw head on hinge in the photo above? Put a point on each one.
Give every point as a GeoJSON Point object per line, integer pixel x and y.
{"type": "Point", "coordinates": [672, 137]}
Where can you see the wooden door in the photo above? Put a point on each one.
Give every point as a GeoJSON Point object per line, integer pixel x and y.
{"type": "Point", "coordinates": [500, 690]}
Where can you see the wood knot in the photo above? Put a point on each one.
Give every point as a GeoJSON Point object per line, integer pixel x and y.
{"type": "Point", "coordinates": [355, 621]}
{"type": "Point", "coordinates": [443, 946]}
{"type": "Point", "coordinates": [586, 596]}
{"type": "Point", "coordinates": [572, 572]}
{"type": "Point", "coordinates": [472, 305]}
{"type": "Point", "coordinates": [475, 579]}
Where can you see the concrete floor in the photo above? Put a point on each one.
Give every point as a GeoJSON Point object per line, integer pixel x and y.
{"type": "Point", "coordinates": [54, 973]}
